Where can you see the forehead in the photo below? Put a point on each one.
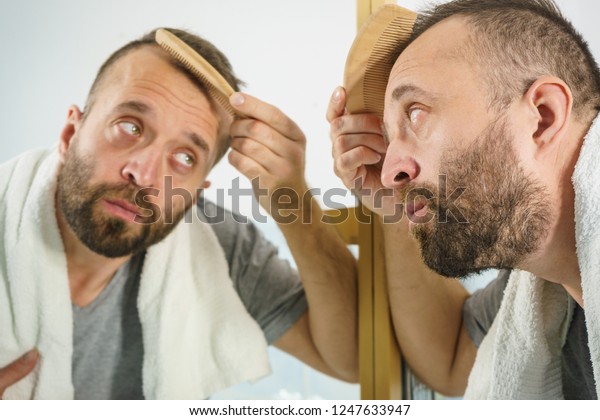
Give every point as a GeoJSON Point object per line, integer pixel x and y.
{"type": "Point", "coordinates": [148, 75]}
{"type": "Point", "coordinates": [151, 64]}
{"type": "Point", "coordinates": [439, 72]}
{"type": "Point", "coordinates": [444, 38]}
{"type": "Point", "coordinates": [437, 59]}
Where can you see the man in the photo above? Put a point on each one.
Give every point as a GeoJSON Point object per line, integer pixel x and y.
{"type": "Point", "coordinates": [489, 142]}
{"type": "Point", "coordinates": [119, 292]}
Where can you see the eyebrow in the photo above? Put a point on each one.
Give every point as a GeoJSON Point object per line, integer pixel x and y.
{"type": "Point", "coordinates": [143, 108]}
{"type": "Point", "coordinates": [136, 106]}
{"type": "Point", "coordinates": [405, 90]}
{"type": "Point", "coordinates": [199, 141]}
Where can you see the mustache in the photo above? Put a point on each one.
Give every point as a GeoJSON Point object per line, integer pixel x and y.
{"type": "Point", "coordinates": [126, 192]}
{"type": "Point", "coordinates": [424, 193]}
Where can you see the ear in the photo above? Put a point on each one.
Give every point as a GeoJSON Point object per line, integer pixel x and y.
{"type": "Point", "coordinates": [73, 123]}
{"type": "Point", "coordinates": [551, 101]}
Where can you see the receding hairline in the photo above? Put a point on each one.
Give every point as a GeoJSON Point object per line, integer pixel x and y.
{"type": "Point", "coordinates": [463, 52]}
{"type": "Point", "coordinates": [176, 65]}
{"type": "Point", "coordinates": [509, 41]}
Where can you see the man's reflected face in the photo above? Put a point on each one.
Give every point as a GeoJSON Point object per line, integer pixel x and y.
{"type": "Point", "coordinates": [138, 159]}
{"type": "Point", "coordinates": [112, 220]}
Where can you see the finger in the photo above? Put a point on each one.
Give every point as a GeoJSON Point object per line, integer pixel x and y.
{"type": "Point", "coordinates": [353, 159]}
{"type": "Point", "coordinates": [353, 177]}
{"type": "Point", "coordinates": [337, 104]}
{"type": "Point", "coordinates": [355, 124]}
{"type": "Point", "coordinates": [256, 151]}
{"type": "Point", "coordinates": [270, 115]}
{"type": "Point", "coordinates": [17, 370]}
{"type": "Point", "coordinates": [262, 133]}
{"type": "Point", "coordinates": [250, 168]}
{"type": "Point", "coordinates": [348, 142]}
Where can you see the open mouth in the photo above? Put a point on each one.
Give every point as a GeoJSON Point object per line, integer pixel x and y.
{"type": "Point", "coordinates": [122, 209]}
{"type": "Point", "coordinates": [417, 211]}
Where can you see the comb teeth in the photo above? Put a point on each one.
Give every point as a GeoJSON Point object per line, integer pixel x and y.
{"type": "Point", "coordinates": [215, 93]}
{"type": "Point", "coordinates": [372, 57]}
{"type": "Point", "coordinates": [218, 88]}
{"type": "Point", "coordinates": [381, 61]}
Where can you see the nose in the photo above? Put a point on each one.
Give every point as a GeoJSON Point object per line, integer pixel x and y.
{"type": "Point", "coordinates": [143, 168]}
{"type": "Point", "coordinates": [398, 168]}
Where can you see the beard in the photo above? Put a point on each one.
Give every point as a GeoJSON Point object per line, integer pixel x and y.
{"type": "Point", "coordinates": [500, 218]}
{"type": "Point", "coordinates": [81, 204]}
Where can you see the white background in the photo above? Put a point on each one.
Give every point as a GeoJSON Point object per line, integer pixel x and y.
{"type": "Point", "coordinates": [290, 53]}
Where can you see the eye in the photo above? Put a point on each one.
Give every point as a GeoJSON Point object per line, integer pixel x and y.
{"type": "Point", "coordinates": [415, 115]}
{"type": "Point", "coordinates": [185, 159]}
{"type": "Point", "coordinates": [130, 128]}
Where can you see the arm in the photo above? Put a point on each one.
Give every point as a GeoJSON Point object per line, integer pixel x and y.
{"type": "Point", "coordinates": [269, 147]}
{"type": "Point", "coordinates": [426, 308]}
{"type": "Point", "coordinates": [328, 272]}
{"type": "Point", "coordinates": [427, 315]}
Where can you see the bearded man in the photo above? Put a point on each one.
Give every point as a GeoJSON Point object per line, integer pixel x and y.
{"type": "Point", "coordinates": [113, 284]}
{"type": "Point", "coordinates": [489, 142]}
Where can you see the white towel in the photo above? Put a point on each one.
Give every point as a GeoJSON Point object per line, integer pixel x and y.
{"type": "Point", "coordinates": [198, 336]}
{"type": "Point", "coordinates": [520, 357]}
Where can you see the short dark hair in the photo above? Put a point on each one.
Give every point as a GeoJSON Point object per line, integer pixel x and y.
{"type": "Point", "coordinates": [517, 41]}
{"type": "Point", "coordinates": [207, 50]}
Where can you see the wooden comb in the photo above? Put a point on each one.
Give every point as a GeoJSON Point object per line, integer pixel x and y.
{"type": "Point", "coordinates": [218, 88]}
{"type": "Point", "coordinates": [372, 57]}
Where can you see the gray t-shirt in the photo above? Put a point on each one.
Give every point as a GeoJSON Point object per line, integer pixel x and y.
{"type": "Point", "coordinates": [481, 308]}
{"type": "Point", "coordinates": [107, 339]}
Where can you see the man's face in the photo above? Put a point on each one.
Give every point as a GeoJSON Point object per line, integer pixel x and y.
{"type": "Point", "coordinates": [453, 160]}
{"type": "Point", "coordinates": [139, 158]}
{"type": "Point", "coordinates": [491, 218]}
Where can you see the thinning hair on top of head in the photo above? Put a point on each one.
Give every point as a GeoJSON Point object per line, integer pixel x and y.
{"type": "Point", "coordinates": [514, 42]}
{"type": "Point", "coordinates": [207, 50]}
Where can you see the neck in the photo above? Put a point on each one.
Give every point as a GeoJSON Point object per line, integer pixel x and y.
{"type": "Point", "coordinates": [89, 273]}
{"type": "Point", "coordinates": [556, 261]}
{"type": "Point", "coordinates": [558, 264]}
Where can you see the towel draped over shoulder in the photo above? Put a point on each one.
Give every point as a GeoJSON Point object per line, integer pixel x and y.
{"type": "Point", "coordinates": [198, 337]}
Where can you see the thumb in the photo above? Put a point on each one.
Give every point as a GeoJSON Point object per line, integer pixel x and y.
{"type": "Point", "coordinates": [337, 104]}
{"type": "Point", "coordinates": [17, 370]}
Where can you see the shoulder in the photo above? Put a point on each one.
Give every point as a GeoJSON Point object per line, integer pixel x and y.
{"type": "Point", "coordinates": [267, 285]}
{"type": "Point", "coordinates": [237, 235]}
{"type": "Point", "coordinates": [28, 161]}
{"type": "Point", "coordinates": [20, 171]}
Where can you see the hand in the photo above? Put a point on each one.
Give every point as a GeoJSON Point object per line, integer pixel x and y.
{"type": "Point", "coordinates": [358, 154]}
{"type": "Point", "coordinates": [17, 370]}
{"type": "Point", "coordinates": [269, 146]}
